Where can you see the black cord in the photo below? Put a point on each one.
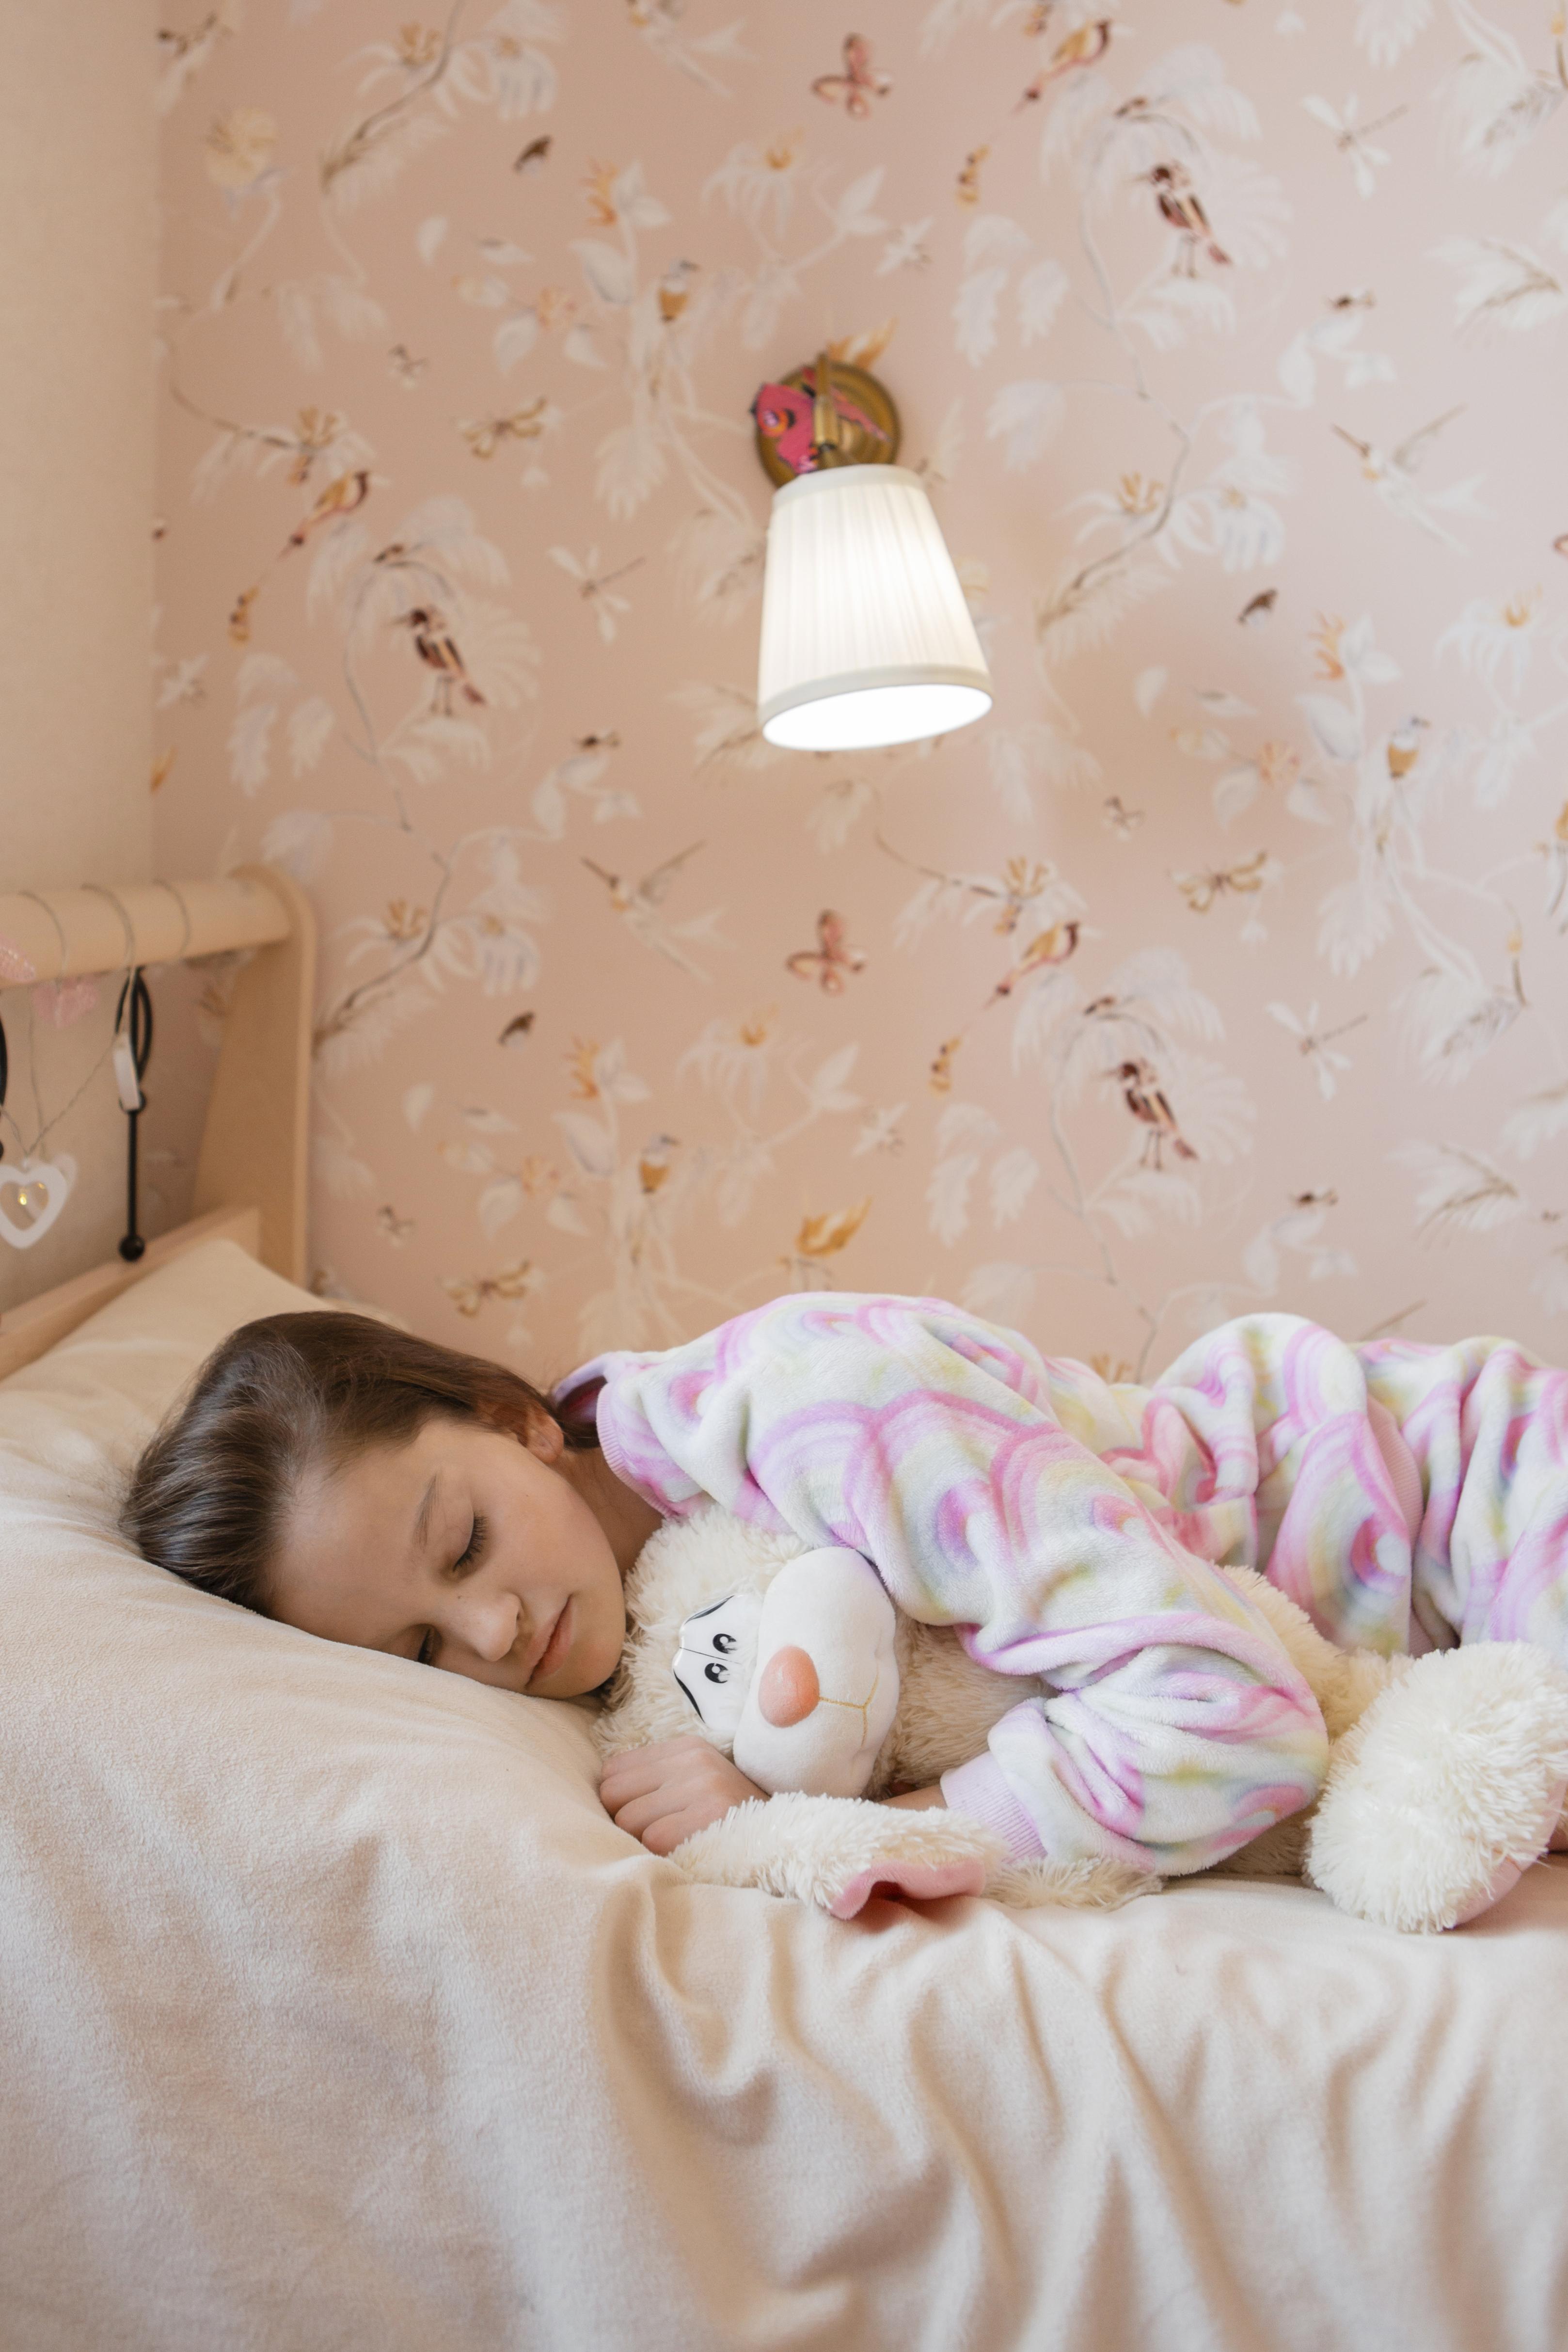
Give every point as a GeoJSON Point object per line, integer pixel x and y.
{"type": "Point", "coordinates": [140, 1030]}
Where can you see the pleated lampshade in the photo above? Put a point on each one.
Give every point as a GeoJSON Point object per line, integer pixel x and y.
{"type": "Point", "coordinates": [866, 638]}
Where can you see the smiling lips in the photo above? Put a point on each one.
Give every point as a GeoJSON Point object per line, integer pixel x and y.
{"type": "Point", "coordinates": [555, 1649]}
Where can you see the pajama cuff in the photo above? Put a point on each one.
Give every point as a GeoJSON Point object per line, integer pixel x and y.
{"type": "Point", "coordinates": [979, 1789]}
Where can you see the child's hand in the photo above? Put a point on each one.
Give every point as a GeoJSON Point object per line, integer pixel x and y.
{"type": "Point", "coordinates": [665, 1793]}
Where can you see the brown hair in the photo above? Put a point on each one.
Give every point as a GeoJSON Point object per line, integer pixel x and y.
{"type": "Point", "coordinates": [279, 1397]}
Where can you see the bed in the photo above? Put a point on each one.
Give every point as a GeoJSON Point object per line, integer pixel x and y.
{"type": "Point", "coordinates": [338, 2017]}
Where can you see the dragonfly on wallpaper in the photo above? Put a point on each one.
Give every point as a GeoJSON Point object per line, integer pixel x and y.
{"type": "Point", "coordinates": [858, 84]}
{"type": "Point", "coordinates": [638, 904]}
{"type": "Point", "coordinates": [830, 958]}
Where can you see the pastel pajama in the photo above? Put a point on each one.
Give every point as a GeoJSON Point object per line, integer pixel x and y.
{"type": "Point", "coordinates": [1068, 1529]}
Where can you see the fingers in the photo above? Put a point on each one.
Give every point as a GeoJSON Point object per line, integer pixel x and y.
{"type": "Point", "coordinates": [639, 1769]}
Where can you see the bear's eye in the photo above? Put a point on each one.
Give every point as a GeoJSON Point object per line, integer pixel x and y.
{"type": "Point", "coordinates": [716, 1673]}
{"type": "Point", "coordinates": [724, 1643]}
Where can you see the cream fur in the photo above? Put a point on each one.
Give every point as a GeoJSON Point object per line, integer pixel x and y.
{"type": "Point", "coordinates": [1445, 1773]}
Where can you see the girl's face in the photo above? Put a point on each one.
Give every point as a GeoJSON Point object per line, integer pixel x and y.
{"type": "Point", "coordinates": [464, 1548]}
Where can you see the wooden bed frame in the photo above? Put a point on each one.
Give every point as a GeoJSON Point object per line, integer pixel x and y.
{"type": "Point", "coordinates": [251, 1171]}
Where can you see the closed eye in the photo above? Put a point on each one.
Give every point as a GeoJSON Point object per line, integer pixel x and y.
{"type": "Point", "coordinates": [473, 1551]}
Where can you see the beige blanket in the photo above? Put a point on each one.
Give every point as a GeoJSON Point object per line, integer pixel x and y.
{"type": "Point", "coordinates": [335, 2016]}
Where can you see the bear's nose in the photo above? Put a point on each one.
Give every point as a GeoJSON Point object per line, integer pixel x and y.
{"type": "Point", "coordinates": [789, 1690]}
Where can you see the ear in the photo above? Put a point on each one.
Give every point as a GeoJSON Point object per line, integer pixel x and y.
{"type": "Point", "coordinates": [542, 1435]}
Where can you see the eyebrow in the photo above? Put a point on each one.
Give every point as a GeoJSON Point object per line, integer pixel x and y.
{"type": "Point", "coordinates": [422, 1517]}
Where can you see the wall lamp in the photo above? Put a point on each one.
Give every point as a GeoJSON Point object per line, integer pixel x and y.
{"type": "Point", "coordinates": [866, 637]}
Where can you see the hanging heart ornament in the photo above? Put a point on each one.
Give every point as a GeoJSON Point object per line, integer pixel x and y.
{"type": "Point", "coordinates": [32, 1194]}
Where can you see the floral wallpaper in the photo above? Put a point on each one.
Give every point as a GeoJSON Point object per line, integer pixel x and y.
{"type": "Point", "coordinates": [1223, 966]}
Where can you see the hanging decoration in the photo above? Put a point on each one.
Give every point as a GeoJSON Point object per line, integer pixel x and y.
{"type": "Point", "coordinates": [132, 1050]}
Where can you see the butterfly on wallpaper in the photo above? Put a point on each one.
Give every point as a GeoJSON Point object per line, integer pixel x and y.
{"type": "Point", "coordinates": [405, 366]}
{"type": "Point", "coordinates": [1259, 609]}
{"type": "Point", "coordinates": [518, 1030]}
{"type": "Point", "coordinates": [858, 84]}
{"type": "Point", "coordinates": [485, 435]}
{"type": "Point", "coordinates": [1201, 890]}
{"type": "Point", "coordinates": [536, 152]}
{"type": "Point", "coordinates": [608, 742]}
{"type": "Point", "coordinates": [398, 1230]}
{"type": "Point", "coordinates": [469, 1292]}
{"type": "Point", "coordinates": [1119, 819]}
{"type": "Point", "coordinates": [830, 958]}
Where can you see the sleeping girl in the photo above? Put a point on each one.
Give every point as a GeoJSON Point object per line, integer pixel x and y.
{"type": "Point", "coordinates": [379, 1489]}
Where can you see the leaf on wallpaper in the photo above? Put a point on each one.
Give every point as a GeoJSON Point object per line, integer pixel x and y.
{"type": "Point", "coordinates": [1504, 288]}
{"type": "Point", "coordinates": [1459, 1191]}
{"type": "Point", "coordinates": [429, 237]}
{"type": "Point", "coordinates": [974, 313]}
{"type": "Point", "coordinates": [826, 1090]}
{"type": "Point", "coordinates": [263, 673]}
{"type": "Point", "coordinates": [1002, 1291]}
{"type": "Point", "coordinates": [947, 1196]}
{"type": "Point", "coordinates": [1548, 1283]}
{"type": "Point", "coordinates": [468, 1159]}
{"type": "Point", "coordinates": [1041, 294]}
{"type": "Point", "coordinates": [1193, 77]}
{"type": "Point", "coordinates": [631, 462]}
{"type": "Point", "coordinates": [591, 1144]}
{"type": "Point", "coordinates": [943, 18]}
{"type": "Point", "coordinates": [1025, 418]}
{"type": "Point", "coordinates": [579, 347]}
{"type": "Point", "coordinates": [725, 721]}
{"type": "Point", "coordinates": [482, 293]}
{"type": "Point", "coordinates": [608, 269]}
{"type": "Point", "coordinates": [416, 1102]}
{"type": "Point", "coordinates": [498, 1204]}
{"type": "Point", "coordinates": [1385, 28]}
{"type": "Point", "coordinates": [853, 214]}
{"type": "Point", "coordinates": [424, 746]}
{"type": "Point", "coordinates": [310, 726]}
{"type": "Point", "coordinates": [1334, 725]}
{"type": "Point", "coordinates": [1017, 756]}
{"type": "Point", "coordinates": [250, 762]}
{"type": "Point", "coordinates": [964, 1124]}
{"type": "Point", "coordinates": [1537, 1119]}
{"type": "Point", "coordinates": [340, 554]}
{"type": "Point", "coordinates": [345, 1177]}
{"type": "Point", "coordinates": [1354, 920]}
{"type": "Point", "coordinates": [1013, 1178]}
{"type": "Point", "coordinates": [364, 160]}
{"type": "Point", "coordinates": [355, 1038]}
{"type": "Point", "coordinates": [485, 1121]}
{"type": "Point", "coordinates": [1133, 1200]}
{"type": "Point", "coordinates": [1214, 1110]}
{"type": "Point", "coordinates": [1089, 608]}
{"type": "Point", "coordinates": [1454, 1017]}
{"type": "Point", "coordinates": [1496, 101]}
{"type": "Point", "coordinates": [940, 462]}
{"type": "Point", "coordinates": [565, 1216]}
{"type": "Point", "coordinates": [301, 840]}
{"type": "Point", "coordinates": [837, 810]}
{"type": "Point", "coordinates": [994, 237]}
{"type": "Point", "coordinates": [1147, 688]}
{"type": "Point", "coordinates": [1173, 306]}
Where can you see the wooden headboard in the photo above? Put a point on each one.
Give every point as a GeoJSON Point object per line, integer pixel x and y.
{"type": "Point", "coordinates": [251, 1171]}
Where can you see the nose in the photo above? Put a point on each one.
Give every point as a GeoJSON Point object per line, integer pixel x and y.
{"type": "Point", "coordinates": [488, 1623]}
{"type": "Point", "coordinates": [789, 1690]}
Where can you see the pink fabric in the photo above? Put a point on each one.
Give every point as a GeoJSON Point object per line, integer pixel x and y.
{"type": "Point", "coordinates": [979, 1789]}
{"type": "Point", "coordinates": [918, 1881]}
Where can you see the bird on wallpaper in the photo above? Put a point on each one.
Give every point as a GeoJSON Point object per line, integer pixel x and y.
{"type": "Point", "coordinates": [676, 289]}
{"type": "Point", "coordinates": [1053, 946]}
{"type": "Point", "coordinates": [858, 84]}
{"type": "Point", "coordinates": [1259, 609]}
{"type": "Point", "coordinates": [638, 904]}
{"type": "Point", "coordinates": [1180, 205]}
{"type": "Point", "coordinates": [830, 958]}
{"type": "Point", "coordinates": [434, 643]}
{"type": "Point", "coordinates": [342, 494]}
{"type": "Point", "coordinates": [533, 154]}
{"type": "Point", "coordinates": [1084, 47]}
{"type": "Point", "coordinates": [785, 413]}
{"type": "Point", "coordinates": [1147, 1099]}
{"type": "Point", "coordinates": [1390, 472]}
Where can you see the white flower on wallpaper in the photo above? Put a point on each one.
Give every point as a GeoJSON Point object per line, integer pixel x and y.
{"type": "Point", "coordinates": [1220, 968]}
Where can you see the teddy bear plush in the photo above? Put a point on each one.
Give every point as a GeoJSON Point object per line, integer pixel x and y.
{"type": "Point", "coordinates": [1446, 1779]}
